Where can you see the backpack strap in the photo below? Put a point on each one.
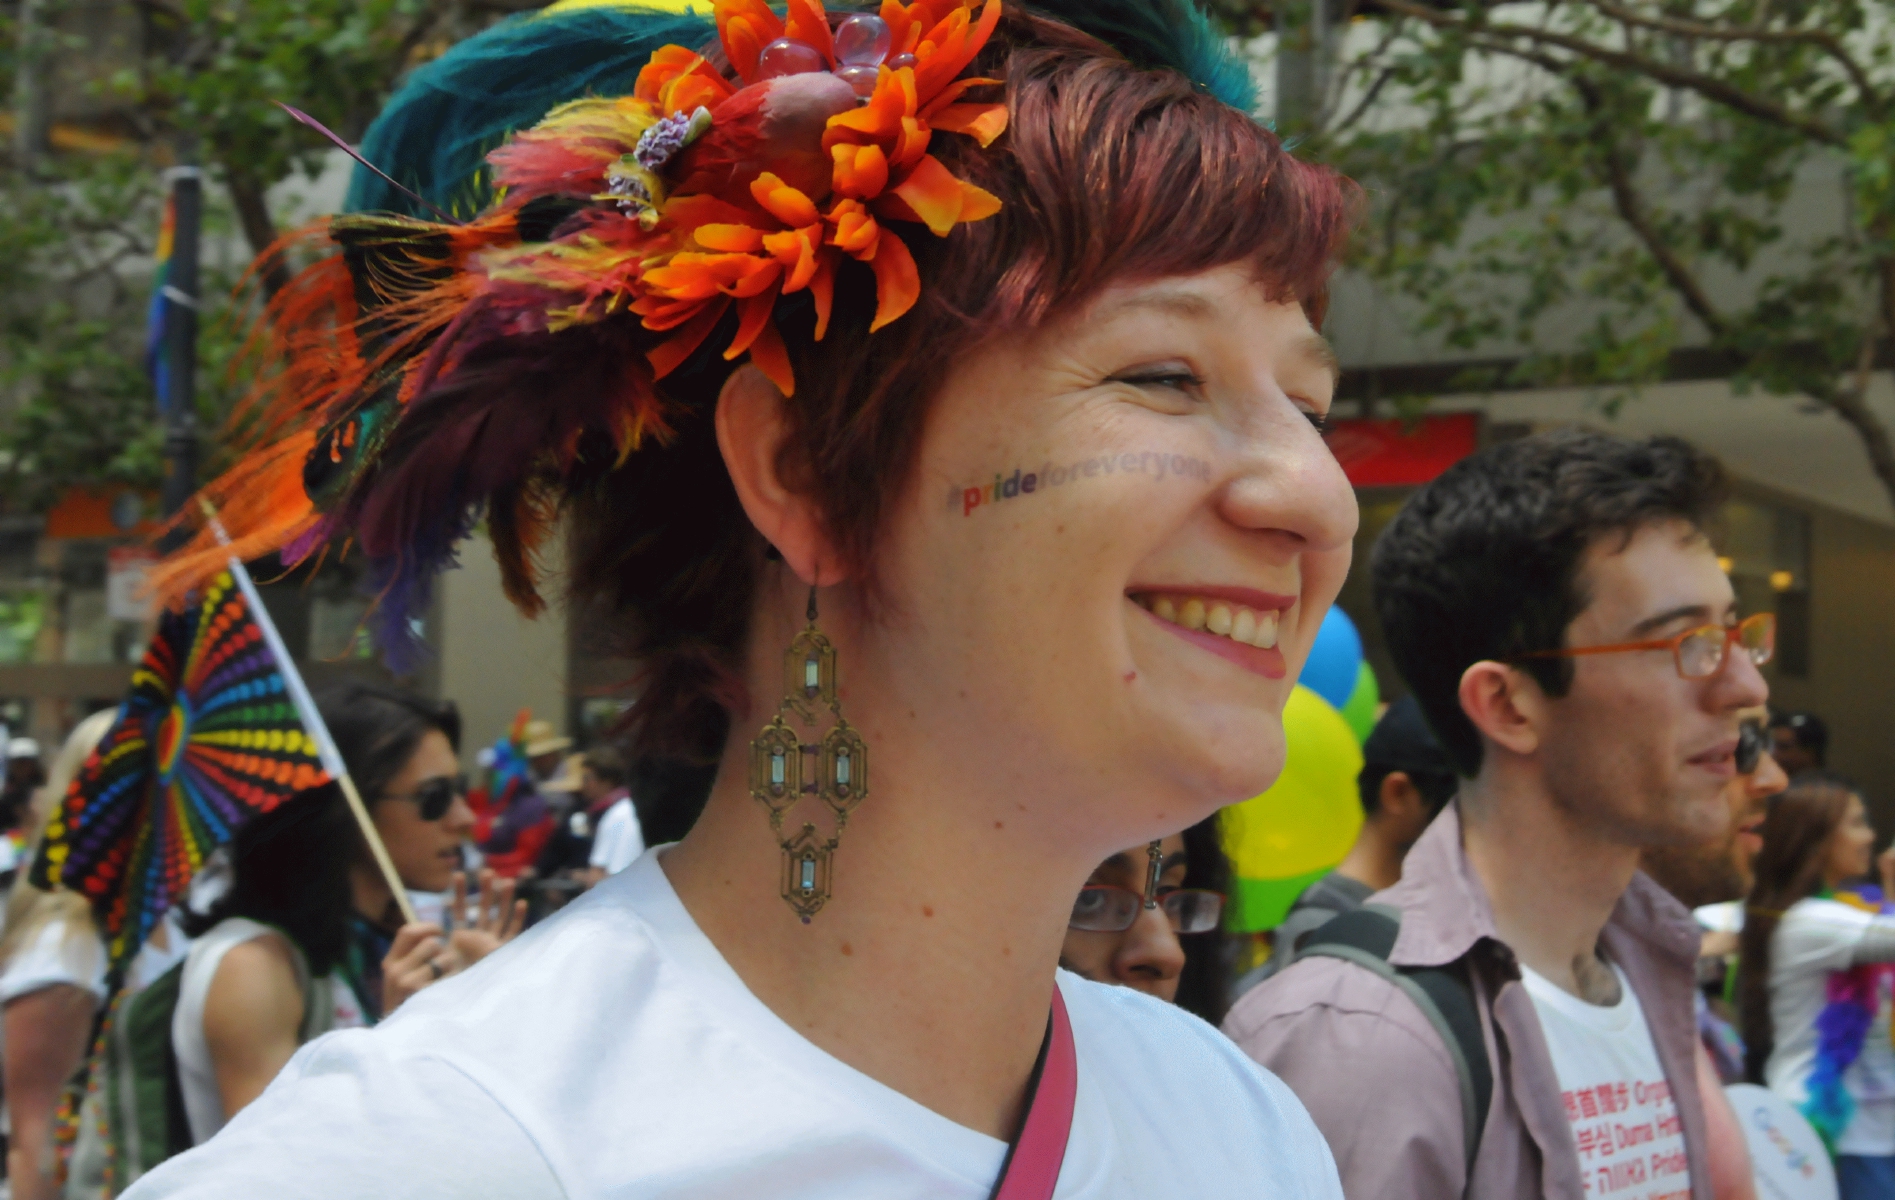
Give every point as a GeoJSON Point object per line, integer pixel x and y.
{"type": "Point", "coordinates": [1445, 995]}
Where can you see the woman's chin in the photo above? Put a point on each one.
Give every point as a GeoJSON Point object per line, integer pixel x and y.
{"type": "Point", "coordinates": [1231, 752]}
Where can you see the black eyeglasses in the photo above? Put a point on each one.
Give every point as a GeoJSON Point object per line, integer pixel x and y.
{"type": "Point", "coordinates": [1752, 740]}
{"type": "Point", "coordinates": [1102, 908]}
{"type": "Point", "coordinates": [435, 796]}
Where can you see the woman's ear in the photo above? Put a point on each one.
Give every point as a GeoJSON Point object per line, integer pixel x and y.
{"type": "Point", "coordinates": [753, 423]}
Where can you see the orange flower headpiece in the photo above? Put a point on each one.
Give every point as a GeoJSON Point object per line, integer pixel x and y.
{"type": "Point", "coordinates": [427, 373]}
{"type": "Point", "coordinates": [728, 194]}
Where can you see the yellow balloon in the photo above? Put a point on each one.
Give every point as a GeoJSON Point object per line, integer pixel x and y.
{"type": "Point", "coordinates": [1310, 817]}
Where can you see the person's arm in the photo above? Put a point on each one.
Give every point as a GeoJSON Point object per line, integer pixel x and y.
{"type": "Point", "coordinates": [253, 1015]}
{"type": "Point", "coordinates": [1877, 943]}
{"type": "Point", "coordinates": [1382, 1089]}
{"type": "Point", "coordinates": [1724, 1146]}
{"type": "Point", "coordinates": [46, 1034]}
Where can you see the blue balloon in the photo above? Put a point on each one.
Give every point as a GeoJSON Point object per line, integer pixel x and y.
{"type": "Point", "coordinates": [1335, 661]}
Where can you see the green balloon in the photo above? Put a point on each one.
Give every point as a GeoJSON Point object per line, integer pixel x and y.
{"type": "Point", "coordinates": [1360, 711]}
{"type": "Point", "coordinates": [1259, 904]}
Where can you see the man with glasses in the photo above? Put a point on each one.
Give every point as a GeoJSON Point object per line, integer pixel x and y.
{"type": "Point", "coordinates": [1560, 615]}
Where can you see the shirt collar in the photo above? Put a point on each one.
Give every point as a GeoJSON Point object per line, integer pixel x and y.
{"type": "Point", "coordinates": [1446, 911]}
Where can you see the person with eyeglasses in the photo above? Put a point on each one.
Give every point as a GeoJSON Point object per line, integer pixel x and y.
{"type": "Point", "coordinates": [308, 936]}
{"type": "Point", "coordinates": [1558, 611]}
{"type": "Point", "coordinates": [1145, 928]}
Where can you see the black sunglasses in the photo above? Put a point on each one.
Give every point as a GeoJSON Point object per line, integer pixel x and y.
{"type": "Point", "coordinates": [1752, 740]}
{"type": "Point", "coordinates": [435, 796]}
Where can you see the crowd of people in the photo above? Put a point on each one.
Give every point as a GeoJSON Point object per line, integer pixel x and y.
{"type": "Point", "coordinates": [1638, 907]}
{"type": "Point", "coordinates": [902, 875]}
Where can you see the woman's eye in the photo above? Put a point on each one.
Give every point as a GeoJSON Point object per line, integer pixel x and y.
{"type": "Point", "coordinates": [1176, 380]}
{"type": "Point", "coordinates": [1319, 420]}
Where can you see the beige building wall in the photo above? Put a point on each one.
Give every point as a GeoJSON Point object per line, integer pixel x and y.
{"type": "Point", "coordinates": [493, 661]}
{"type": "Point", "coordinates": [1852, 651]}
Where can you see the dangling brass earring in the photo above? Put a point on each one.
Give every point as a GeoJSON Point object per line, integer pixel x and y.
{"type": "Point", "coordinates": [1154, 864]}
{"type": "Point", "coordinates": [836, 767]}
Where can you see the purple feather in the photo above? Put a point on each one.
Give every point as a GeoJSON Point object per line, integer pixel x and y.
{"type": "Point", "coordinates": [349, 150]}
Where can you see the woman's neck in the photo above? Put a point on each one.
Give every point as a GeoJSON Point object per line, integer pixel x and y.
{"type": "Point", "coordinates": [931, 966]}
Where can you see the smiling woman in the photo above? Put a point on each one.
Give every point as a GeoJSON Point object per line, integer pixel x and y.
{"type": "Point", "coordinates": [742, 332]}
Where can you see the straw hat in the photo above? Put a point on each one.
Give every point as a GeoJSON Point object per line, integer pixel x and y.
{"type": "Point", "coordinates": [539, 738]}
{"type": "Point", "coordinates": [566, 779]}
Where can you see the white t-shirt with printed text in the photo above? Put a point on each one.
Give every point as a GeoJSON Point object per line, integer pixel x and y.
{"type": "Point", "coordinates": [1630, 1139]}
{"type": "Point", "coordinates": [611, 1053]}
{"type": "Point", "coordinates": [1815, 939]}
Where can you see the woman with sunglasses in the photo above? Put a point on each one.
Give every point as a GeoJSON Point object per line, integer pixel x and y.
{"type": "Point", "coordinates": [1138, 928]}
{"type": "Point", "coordinates": [1815, 975]}
{"type": "Point", "coordinates": [308, 936]}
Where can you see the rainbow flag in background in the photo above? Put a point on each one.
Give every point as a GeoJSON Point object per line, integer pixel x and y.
{"type": "Point", "coordinates": [155, 365]}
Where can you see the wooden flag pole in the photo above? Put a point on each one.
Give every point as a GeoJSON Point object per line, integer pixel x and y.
{"type": "Point", "coordinates": [312, 721]}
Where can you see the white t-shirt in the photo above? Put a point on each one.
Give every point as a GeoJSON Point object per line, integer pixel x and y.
{"type": "Point", "coordinates": [610, 1052]}
{"type": "Point", "coordinates": [1631, 1142]}
{"type": "Point", "coordinates": [620, 840]}
{"type": "Point", "coordinates": [1815, 938]}
{"type": "Point", "coordinates": [57, 954]}
{"type": "Point", "coordinates": [197, 1075]}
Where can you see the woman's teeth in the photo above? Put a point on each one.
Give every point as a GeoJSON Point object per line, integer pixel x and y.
{"type": "Point", "coordinates": [1233, 621]}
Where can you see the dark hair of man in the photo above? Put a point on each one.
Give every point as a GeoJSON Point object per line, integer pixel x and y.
{"type": "Point", "coordinates": [1204, 983]}
{"type": "Point", "coordinates": [605, 761]}
{"type": "Point", "coordinates": [290, 866]}
{"type": "Point", "coordinates": [1809, 730]}
{"type": "Point", "coordinates": [1789, 868]}
{"type": "Point", "coordinates": [1484, 562]}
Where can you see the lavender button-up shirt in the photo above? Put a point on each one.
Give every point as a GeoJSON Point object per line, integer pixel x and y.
{"type": "Point", "coordinates": [1380, 1084]}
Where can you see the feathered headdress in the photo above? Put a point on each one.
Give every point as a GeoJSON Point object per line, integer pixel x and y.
{"type": "Point", "coordinates": [429, 371]}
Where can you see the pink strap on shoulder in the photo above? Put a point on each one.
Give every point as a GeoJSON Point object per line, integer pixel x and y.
{"type": "Point", "coordinates": [1031, 1171]}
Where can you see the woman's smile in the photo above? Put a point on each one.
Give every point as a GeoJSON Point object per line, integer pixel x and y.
{"type": "Point", "coordinates": [1238, 624]}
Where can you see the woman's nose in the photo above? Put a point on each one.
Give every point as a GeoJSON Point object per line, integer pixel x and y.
{"type": "Point", "coordinates": [459, 818]}
{"type": "Point", "coordinates": [1149, 952]}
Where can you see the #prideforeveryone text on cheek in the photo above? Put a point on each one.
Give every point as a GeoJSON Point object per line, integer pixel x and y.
{"type": "Point", "coordinates": [1008, 487]}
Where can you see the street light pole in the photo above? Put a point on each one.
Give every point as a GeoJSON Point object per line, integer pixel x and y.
{"type": "Point", "coordinates": [180, 338]}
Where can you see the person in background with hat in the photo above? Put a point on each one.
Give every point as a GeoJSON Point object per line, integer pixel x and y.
{"type": "Point", "coordinates": [1406, 779]}
{"type": "Point", "coordinates": [515, 838]}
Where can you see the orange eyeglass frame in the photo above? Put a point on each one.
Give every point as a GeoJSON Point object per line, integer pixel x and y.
{"type": "Point", "coordinates": [1758, 629]}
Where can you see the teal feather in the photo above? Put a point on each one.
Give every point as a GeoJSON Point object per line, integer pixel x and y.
{"type": "Point", "coordinates": [1173, 35]}
{"type": "Point", "coordinates": [435, 133]}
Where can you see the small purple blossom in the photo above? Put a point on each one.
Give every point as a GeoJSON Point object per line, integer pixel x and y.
{"type": "Point", "coordinates": [635, 194]}
{"type": "Point", "coordinates": [670, 135]}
